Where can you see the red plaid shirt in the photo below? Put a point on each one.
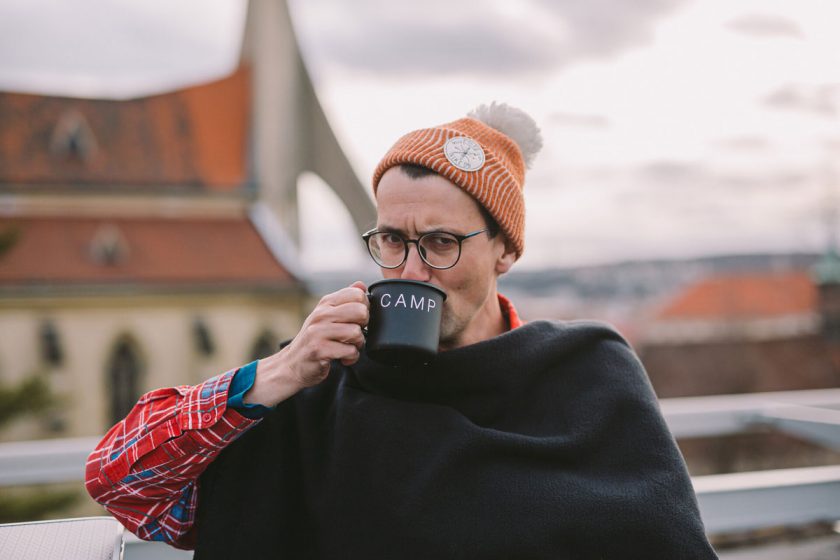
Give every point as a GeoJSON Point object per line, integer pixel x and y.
{"type": "Point", "coordinates": [145, 470]}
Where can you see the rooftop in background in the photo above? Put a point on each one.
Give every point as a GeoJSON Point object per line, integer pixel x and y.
{"type": "Point", "coordinates": [49, 251]}
{"type": "Point", "coordinates": [194, 138]}
{"type": "Point", "coordinates": [744, 296]}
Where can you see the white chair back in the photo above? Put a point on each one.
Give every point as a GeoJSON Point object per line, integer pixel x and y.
{"type": "Point", "coordinates": [84, 538]}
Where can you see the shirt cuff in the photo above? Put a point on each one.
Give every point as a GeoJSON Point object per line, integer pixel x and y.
{"type": "Point", "coordinates": [242, 382]}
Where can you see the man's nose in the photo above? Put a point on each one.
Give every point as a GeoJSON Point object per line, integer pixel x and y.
{"type": "Point", "coordinates": [414, 267]}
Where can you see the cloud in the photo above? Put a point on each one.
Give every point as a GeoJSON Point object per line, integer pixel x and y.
{"type": "Point", "coordinates": [832, 145]}
{"type": "Point", "coordinates": [578, 120]}
{"type": "Point", "coordinates": [484, 47]}
{"type": "Point", "coordinates": [606, 27]}
{"type": "Point", "coordinates": [666, 171]}
{"type": "Point", "coordinates": [444, 37]}
{"type": "Point", "coordinates": [115, 47]}
{"type": "Point", "coordinates": [818, 99]}
{"type": "Point", "coordinates": [765, 181]}
{"type": "Point", "coordinates": [751, 144]}
{"type": "Point", "coordinates": [766, 26]}
{"type": "Point", "coordinates": [681, 176]}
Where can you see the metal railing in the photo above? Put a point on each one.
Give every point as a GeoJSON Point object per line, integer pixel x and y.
{"type": "Point", "coordinates": [751, 500]}
{"type": "Point", "coordinates": [804, 413]}
{"type": "Point", "coordinates": [728, 502]}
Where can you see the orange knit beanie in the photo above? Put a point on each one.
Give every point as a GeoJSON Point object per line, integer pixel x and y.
{"type": "Point", "coordinates": [485, 154]}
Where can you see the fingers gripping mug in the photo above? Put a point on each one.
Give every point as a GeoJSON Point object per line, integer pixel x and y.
{"type": "Point", "coordinates": [404, 326]}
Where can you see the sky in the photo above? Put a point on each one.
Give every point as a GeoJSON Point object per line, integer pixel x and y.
{"type": "Point", "coordinates": [672, 128]}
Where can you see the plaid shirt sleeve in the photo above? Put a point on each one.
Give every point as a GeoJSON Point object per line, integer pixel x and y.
{"type": "Point", "coordinates": [145, 470]}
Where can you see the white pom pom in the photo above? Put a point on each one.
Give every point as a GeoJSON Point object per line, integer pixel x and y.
{"type": "Point", "coordinates": [515, 123]}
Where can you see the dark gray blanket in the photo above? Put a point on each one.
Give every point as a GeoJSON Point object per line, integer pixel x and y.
{"type": "Point", "coordinates": [544, 442]}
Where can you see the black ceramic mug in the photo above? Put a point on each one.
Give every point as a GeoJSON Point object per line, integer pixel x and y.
{"type": "Point", "coordinates": [404, 326]}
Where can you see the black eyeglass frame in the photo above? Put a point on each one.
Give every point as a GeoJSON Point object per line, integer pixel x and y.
{"type": "Point", "coordinates": [460, 238]}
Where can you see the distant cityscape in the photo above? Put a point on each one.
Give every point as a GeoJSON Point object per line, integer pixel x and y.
{"type": "Point", "coordinates": [618, 292]}
{"type": "Point", "coordinates": [626, 292]}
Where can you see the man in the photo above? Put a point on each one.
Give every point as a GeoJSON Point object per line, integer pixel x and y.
{"type": "Point", "coordinates": [517, 441]}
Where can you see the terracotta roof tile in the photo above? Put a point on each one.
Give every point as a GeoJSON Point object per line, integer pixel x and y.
{"type": "Point", "coordinates": [194, 138]}
{"type": "Point", "coordinates": [59, 250]}
{"type": "Point", "coordinates": [745, 296]}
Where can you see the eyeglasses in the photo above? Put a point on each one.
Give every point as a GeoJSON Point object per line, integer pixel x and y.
{"type": "Point", "coordinates": [438, 249]}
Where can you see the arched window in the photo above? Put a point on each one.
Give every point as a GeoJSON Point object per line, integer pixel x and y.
{"type": "Point", "coordinates": [123, 379]}
{"type": "Point", "coordinates": [72, 137]}
{"type": "Point", "coordinates": [265, 346]}
{"type": "Point", "coordinates": [202, 339]}
{"type": "Point", "coordinates": [52, 352]}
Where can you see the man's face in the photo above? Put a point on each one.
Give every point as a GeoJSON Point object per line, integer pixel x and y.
{"type": "Point", "coordinates": [412, 207]}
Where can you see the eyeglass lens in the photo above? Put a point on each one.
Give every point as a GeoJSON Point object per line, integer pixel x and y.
{"type": "Point", "coordinates": [440, 250]}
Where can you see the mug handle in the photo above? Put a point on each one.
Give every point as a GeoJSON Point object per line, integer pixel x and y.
{"type": "Point", "coordinates": [365, 328]}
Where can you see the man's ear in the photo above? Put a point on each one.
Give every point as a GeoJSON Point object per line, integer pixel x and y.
{"type": "Point", "coordinates": [506, 259]}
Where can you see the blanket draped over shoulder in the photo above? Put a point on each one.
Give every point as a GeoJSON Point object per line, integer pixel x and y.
{"type": "Point", "coordinates": [543, 442]}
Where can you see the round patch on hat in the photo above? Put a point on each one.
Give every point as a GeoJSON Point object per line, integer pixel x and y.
{"type": "Point", "coordinates": [464, 153]}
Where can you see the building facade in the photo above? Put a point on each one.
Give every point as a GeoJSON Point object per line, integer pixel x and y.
{"type": "Point", "coordinates": [151, 242]}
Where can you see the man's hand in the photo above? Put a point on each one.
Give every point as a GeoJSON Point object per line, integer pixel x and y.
{"type": "Point", "coordinates": [333, 331]}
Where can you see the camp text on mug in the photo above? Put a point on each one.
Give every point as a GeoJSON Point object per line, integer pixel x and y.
{"type": "Point", "coordinates": [421, 303]}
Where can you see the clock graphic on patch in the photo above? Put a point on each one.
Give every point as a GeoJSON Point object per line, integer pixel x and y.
{"type": "Point", "coordinates": [464, 153]}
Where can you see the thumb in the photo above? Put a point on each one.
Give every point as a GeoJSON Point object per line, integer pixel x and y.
{"type": "Point", "coordinates": [359, 284]}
